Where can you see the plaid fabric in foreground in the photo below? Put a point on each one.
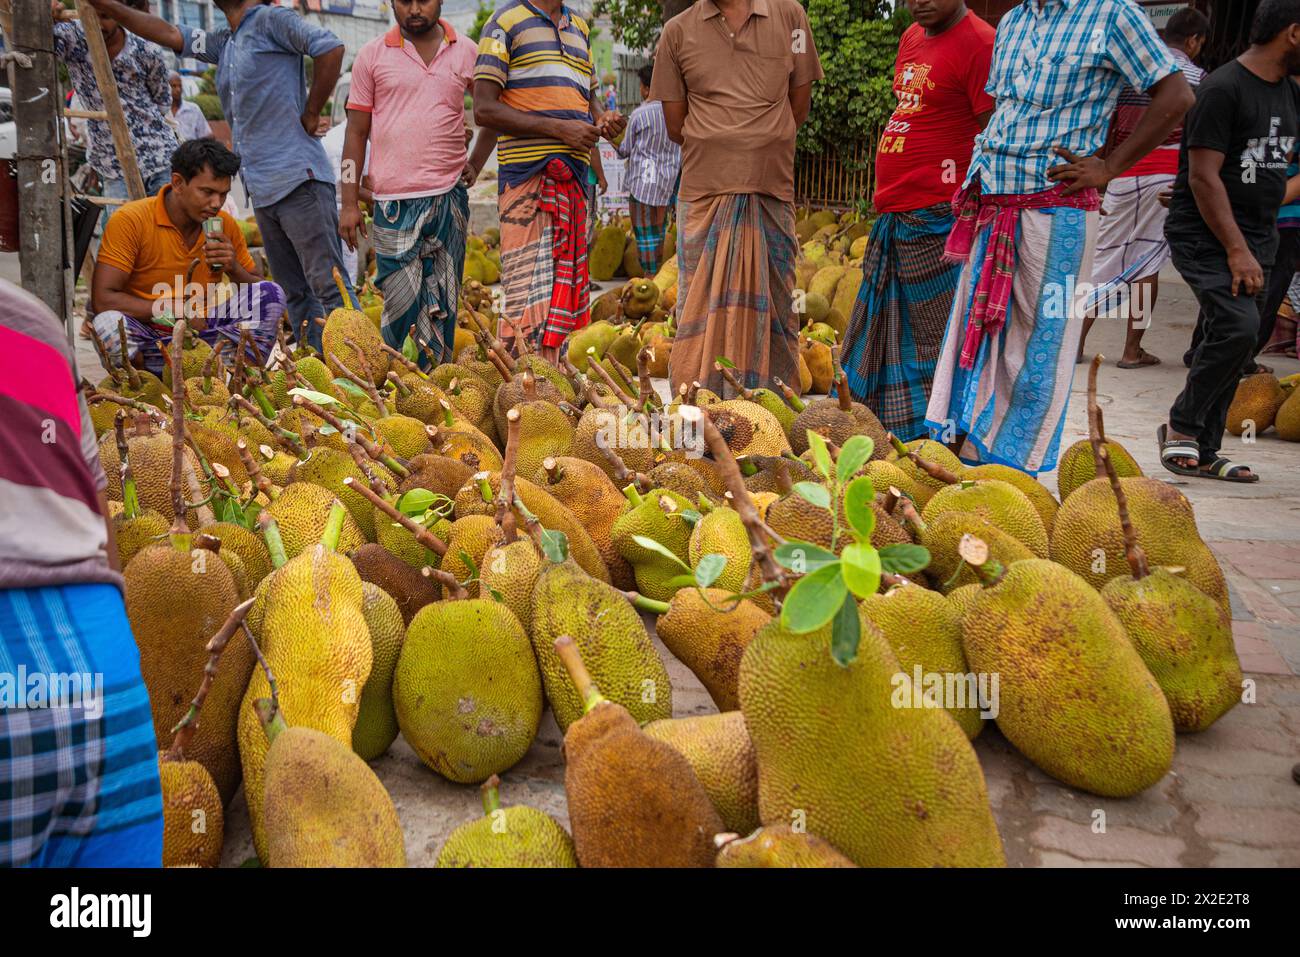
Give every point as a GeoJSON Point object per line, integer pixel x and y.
{"type": "Point", "coordinates": [736, 262]}
{"type": "Point", "coordinates": [893, 337]}
{"type": "Point", "coordinates": [78, 780]}
{"type": "Point", "coordinates": [649, 226]}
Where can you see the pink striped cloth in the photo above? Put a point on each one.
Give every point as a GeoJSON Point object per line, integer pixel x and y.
{"type": "Point", "coordinates": [974, 211]}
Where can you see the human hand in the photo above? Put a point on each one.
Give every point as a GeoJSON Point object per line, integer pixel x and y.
{"type": "Point", "coordinates": [1079, 172]}
{"type": "Point", "coordinates": [578, 134]}
{"type": "Point", "coordinates": [611, 124]}
{"type": "Point", "coordinates": [1164, 196]}
{"type": "Point", "coordinates": [1246, 272]}
{"type": "Point", "coordinates": [310, 122]}
{"type": "Point", "coordinates": [351, 222]}
{"type": "Point", "coordinates": [219, 252]}
{"type": "Point", "coordinates": [469, 175]}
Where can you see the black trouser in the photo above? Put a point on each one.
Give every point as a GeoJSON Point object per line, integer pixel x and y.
{"type": "Point", "coordinates": [1284, 267]}
{"type": "Point", "coordinates": [1229, 333]}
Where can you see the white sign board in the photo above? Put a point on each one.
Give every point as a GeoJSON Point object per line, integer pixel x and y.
{"type": "Point", "coordinates": [614, 200]}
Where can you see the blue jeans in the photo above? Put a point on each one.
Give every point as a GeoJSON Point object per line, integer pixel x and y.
{"type": "Point", "coordinates": [300, 236]}
{"type": "Point", "coordinates": [116, 189]}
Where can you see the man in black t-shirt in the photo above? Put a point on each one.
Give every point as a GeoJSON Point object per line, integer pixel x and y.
{"type": "Point", "coordinates": [1222, 226]}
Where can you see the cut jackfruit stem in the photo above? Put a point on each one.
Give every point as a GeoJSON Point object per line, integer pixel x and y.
{"type": "Point", "coordinates": [130, 500]}
{"type": "Point", "coordinates": [452, 589]}
{"type": "Point", "coordinates": [185, 728]}
{"type": "Point", "coordinates": [932, 469]}
{"type": "Point", "coordinates": [333, 526]}
{"type": "Point", "coordinates": [345, 293]}
{"type": "Point", "coordinates": [642, 603]}
{"type": "Point", "coordinates": [399, 386]}
{"type": "Point", "coordinates": [260, 482]}
{"type": "Point", "coordinates": [271, 535]}
{"type": "Point", "coordinates": [578, 673]}
{"type": "Point", "coordinates": [491, 793]}
{"type": "Point", "coordinates": [632, 495]}
{"type": "Point", "coordinates": [271, 717]}
{"type": "Point", "coordinates": [975, 553]}
{"type": "Point", "coordinates": [505, 517]}
{"type": "Point", "coordinates": [1133, 552]}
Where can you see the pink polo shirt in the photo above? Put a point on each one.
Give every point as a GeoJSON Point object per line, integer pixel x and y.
{"type": "Point", "coordinates": [417, 112]}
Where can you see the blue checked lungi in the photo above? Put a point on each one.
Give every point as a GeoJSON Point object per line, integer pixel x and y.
{"type": "Point", "coordinates": [78, 777]}
{"type": "Point", "coordinates": [893, 337]}
{"type": "Point", "coordinates": [420, 257]}
{"type": "Point", "coordinates": [257, 307]}
{"type": "Point", "coordinates": [1011, 405]}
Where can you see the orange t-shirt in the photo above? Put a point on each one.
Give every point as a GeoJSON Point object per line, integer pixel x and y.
{"type": "Point", "coordinates": [141, 240]}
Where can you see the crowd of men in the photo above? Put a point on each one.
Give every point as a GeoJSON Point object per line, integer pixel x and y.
{"type": "Point", "coordinates": [1008, 147]}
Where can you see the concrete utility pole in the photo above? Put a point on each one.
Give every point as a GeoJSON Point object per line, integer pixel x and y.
{"type": "Point", "coordinates": [41, 173]}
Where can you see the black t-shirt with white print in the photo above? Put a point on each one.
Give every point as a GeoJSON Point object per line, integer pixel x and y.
{"type": "Point", "coordinates": [1254, 123]}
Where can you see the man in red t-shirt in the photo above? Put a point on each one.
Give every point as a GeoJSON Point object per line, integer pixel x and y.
{"type": "Point", "coordinates": [1131, 244]}
{"type": "Point", "coordinates": [893, 338]}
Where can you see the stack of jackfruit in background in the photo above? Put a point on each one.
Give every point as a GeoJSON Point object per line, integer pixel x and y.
{"type": "Point", "coordinates": [828, 275]}
{"type": "Point", "coordinates": [1263, 401]}
{"type": "Point", "coordinates": [339, 548]}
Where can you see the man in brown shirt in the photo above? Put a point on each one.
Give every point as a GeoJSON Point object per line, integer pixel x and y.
{"type": "Point", "coordinates": [735, 79]}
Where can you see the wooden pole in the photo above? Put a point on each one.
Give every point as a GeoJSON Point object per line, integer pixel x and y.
{"type": "Point", "coordinates": [39, 158]}
{"type": "Point", "coordinates": [107, 84]}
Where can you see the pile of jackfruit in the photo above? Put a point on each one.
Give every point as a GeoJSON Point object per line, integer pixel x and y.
{"type": "Point", "coordinates": [613, 252]}
{"type": "Point", "coordinates": [828, 276]}
{"type": "Point", "coordinates": [324, 551]}
{"type": "Point", "coordinates": [483, 257]}
{"type": "Point", "coordinates": [1262, 402]}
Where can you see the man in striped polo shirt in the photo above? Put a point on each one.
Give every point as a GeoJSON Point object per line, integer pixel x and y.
{"type": "Point", "coordinates": [535, 84]}
{"type": "Point", "coordinates": [78, 758]}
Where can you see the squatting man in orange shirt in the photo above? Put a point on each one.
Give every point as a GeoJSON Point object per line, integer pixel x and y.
{"type": "Point", "coordinates": [156, 264]}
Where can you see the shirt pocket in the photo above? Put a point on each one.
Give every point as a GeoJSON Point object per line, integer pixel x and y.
{"type": "Point", "coordinates": [1061, 78]}
{"type": "Point", "coordinates": [766, 74]}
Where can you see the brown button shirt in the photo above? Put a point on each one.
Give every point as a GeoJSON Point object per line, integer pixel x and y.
{"type": "Point", "coordinates": [739, 130]}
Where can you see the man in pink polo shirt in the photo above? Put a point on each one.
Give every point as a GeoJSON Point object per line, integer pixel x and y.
{"type": "Point", "coordinates": [408, 101]}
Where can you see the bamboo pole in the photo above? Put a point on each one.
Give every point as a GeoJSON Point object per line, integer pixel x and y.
{"type": "Point", "coordinates": [107, 83]}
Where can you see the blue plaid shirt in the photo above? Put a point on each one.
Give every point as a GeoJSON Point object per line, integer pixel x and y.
{"type": "Point", "coordinates": [263, 90]}
{"type": "Point", "coordinates": [1056, 75]}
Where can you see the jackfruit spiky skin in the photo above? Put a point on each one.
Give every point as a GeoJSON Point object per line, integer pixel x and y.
{"type": "Point", "coordinates": [151, 464]}
{"type": "Point", "coordinates": [102, 414]}
{"type": "Point", "coordinates": [613, 641]}
{"type": "Point", "coordinates": [424, 400]}
{"type": "Point", "coordinates": [409, 589]}
{"type": "Point", "coordinates": [342, 324]}
{"type": "Point", "coordinates": [962, 598]}
{"type": "Point", "coordinates": [885, 474]}
{"type": "Point", "coordinates": [1088, 540]}
{"type": "Point", "coordinates": [669, 528]}
{"type": "Point", "coordinates": [888, 786]}
{"type": "Point", "coordinates": [470, 536]}
{"type": "Point", "coordinates": [544, 432]}
{"type": "Point", "coordinates": [324, 806]}
{"type": "Point", "coordinates": [518, 836]}
{"type": "Point", "coordinates": [924, 629]}
{"type": "Point", "coordinates": [176, 601]}
{"type": "Point", "coordinates": [596, 502]}
{"type": "Point", "coordinates": [773, 403]}
{"type": "Point", "coordinates": [630, 440]}
{"type": "Point", "coordinates": [679, 477]}
{"type": "Point", "coordinates": [328, 468]}
{"type": "Point", "coordinates": [1287, 420]}
{"type": "Point", "coordinates": [376, 726]}
{"type": "Point", "coordinates": [932, 451]}
{"type": "Point", "coordinates": [765, 434]}
{"type": "Point", "coordinates": [1074, 696]}
{"type": "Point", "coordinates": [549, 511]}
{"type": "Point", "coordinates": [193, 358]}
{"type": "Point", "coordinates": [301, 421]}
{"type": "Point", "coordinates": [193, 819]}
{"type": "Point", "coordinates": [248, 546]}
{"type": "Point", "coordinates": [1255, 403]}
{"type": "Point", "coordinates": [1185, 639]}
{"type": "Point", "coordinates": [509, 575]}
{"type": "Point", "coordinates": [942, 536]}
{"type": "Point", "coordinates": [472, 398]}
{"type": "Point", "coordinates": [147, 528]}
{"type": "Point", "coordinates": [794, 517]}
{"type": "Point", "coordinates": [709, 641]}
{"type": "Point", "coordinates": [633, 801]}
{"type": "Point", "coordinates": [781, 846]}
{"type": "Point", "coordinates": [218, 447]}
{"type": "Point", "coordinates": [466, 690]}
{"type": "Point", "coordinates": [210, 394]}
{"type": "Point", "coordinates": [722, 757]}
{"type": "Point", "coordinates": [301, 511]}
{"type": "Point", "coordinates": [436, 473]}
{"type": "Point", "coordinates": [998, 502]}
{"type": "Point", "coordinates": [396, 539]}
{"type": "Point", "coordinates": [542, 369]}
{"type": "Point", "coordinates": [764, 480]}
{"type": "Point", "coordinates": [721, 532]}
{"type": "Point", "coordinates": [243, 588]}
{"type": "Point", "coordinates": [1077, 466]}
{"type": "Point", "coordinates": [278, 467]}
{"type": "Point", "coordinates": [1044, 502]}
{"type": "Point", "coordinates": [512, 393]}
{"type": "Point", "coordinates": [826, 418]}
{"type": "Point", "coordinates": [468, 445]}
{"type": "Point", "coordinates": [405, 434]}
{"type": "Point", "coordinates": [314, 636]}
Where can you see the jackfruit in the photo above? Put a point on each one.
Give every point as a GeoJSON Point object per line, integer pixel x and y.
{"type": "Point", "coordinates": [402, 582]}
{"type": "Point", "coordinates": [1077, 465]}
{"type": "Point", "coordinates": [942, 536]}
{"type": "Point", "coordinates": [193, 819]}
{"type": "Point", "coordinates": [509, 575]}
{"type": "Point", "coordinates": [545, 432]}
{"type": "Point", "coordinates": [1255, 403]}
{"type": "Point", "coordinates": [998, 502]}
{"type": "Point", "coordinates": [924, 630]}
{"type": "Point", "coordinates": [344, 324]}
{"type": "Point", "coordinates": [633, 801]}
{"type": "Point", "coordinates": [710, 637]}
{"type": "Point", "coordinates": [609, 632]}
{"type": "Point", "coordinates": [301, 510]}
{"type": "Point", "coordinates": [518, 836]}
{"type": "Point", "coordinates": [466, 690]}
{"type": "Point", "coordinates": [468, 540]}
{"type": "Point", "coordinates": [721, 532]}
{"type": "Point", "coordinates": [838, 420]}
{"type": "Point", "coordinates": [748, 428]}
{"type": "Point", "coordinates": [596, 502]}
{"type": "Point", "coordinates": [249, 547]}
{"type": "Point", "coordinates": [660, 516]}
{"type": "Point", "coordinates": [722, 757]}
{"type": "Point", "coordinates": [404, 433]}
{"type": "Point", "coordinates": [931, 451]}
{"type": "Point", "coordinates": [324, 807]}
{"type": "Point", "coordinates": [150, 455]}
{"type": "Point", "coordinates": [606, 253]}
{"type": "Point", "coordinates": [132, 534]}
{"type": "Point", "coordinates": [1287, 420]}
{"type": "Point", "coordinates": [780, 846]}
{"type": "Point", "coordinates": [888, 786]}
{"type": "Point", "coordinates": [376, 726]}
{"type": "Point", "coordinates": [1043, 501]}
{"type": "Point", "coordinates": [1074, 696]}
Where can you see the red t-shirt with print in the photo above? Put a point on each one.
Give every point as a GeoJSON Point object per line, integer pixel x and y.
{"type": "Point", "coordinates": [939, 83]}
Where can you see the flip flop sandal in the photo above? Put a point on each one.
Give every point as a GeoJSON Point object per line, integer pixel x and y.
{"type": "Point", "coordinates": [1225, 471]}
{"type": "Point", "coordinates": [1145, 359]}
{"type": "Point", "coordinates": [1178, 449]}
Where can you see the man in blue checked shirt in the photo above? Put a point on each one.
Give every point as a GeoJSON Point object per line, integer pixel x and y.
{"type": "Point", "coordinates": [653, 164]}
{"type": "Point", "coordinates": [1027, 214]}
{"type": "Point", "coordinates": [273, 119]}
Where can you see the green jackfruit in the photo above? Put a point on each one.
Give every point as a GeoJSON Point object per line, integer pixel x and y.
{"type": "Point", "coordinates": [1077, 466]}
{"type": "Point", "coordinates": [999, 503]}
{"type": "Point", "coordinates": [722, 757]}
{"type": "Point", "coordinates": [710, 637]}
{"type": "Point", "coordinates": [721, 532]}
{"type": "Point", "coordinates": [780, 846]}
{"type": "Point", "coordinates": [659, 516]}
{"type": "Point", "coordinates": [518, 836]}
{"type": "Point", "coordinates": [376, 726]}
{"type": "Point", "coordinates": [301, 511]}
